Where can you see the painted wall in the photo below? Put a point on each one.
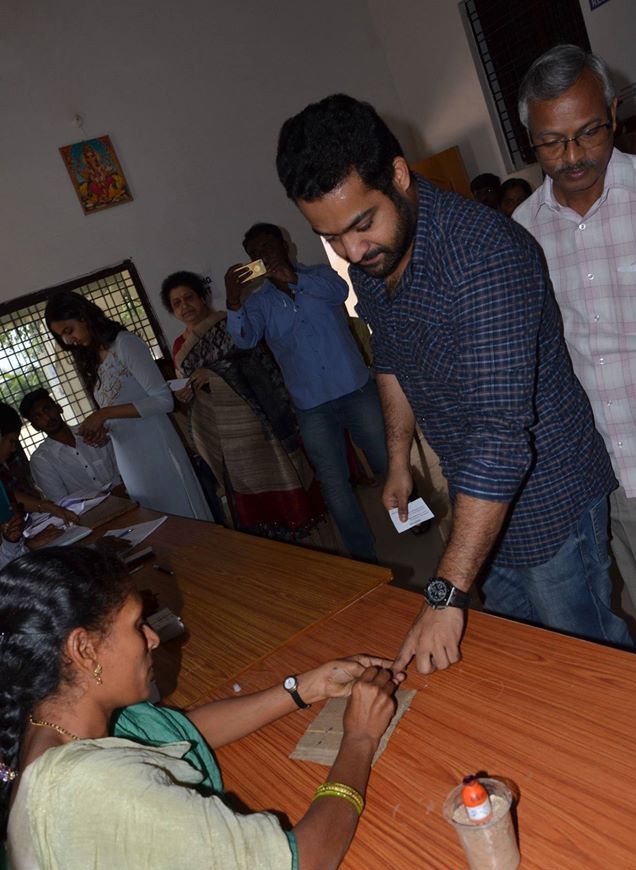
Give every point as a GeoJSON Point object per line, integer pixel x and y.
{"type": "Point", "coordinates": [612, 32]}
{"type": "Point", "coordinates": [193, 95]}
{"type": "Point", "coordinates": [434, 73]}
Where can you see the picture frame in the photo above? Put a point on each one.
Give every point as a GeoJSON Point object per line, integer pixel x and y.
{"type": "Point", "coordinates": [96, 174]}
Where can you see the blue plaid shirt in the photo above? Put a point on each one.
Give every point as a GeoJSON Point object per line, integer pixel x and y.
{"type": "Point", "coordinates": [473, 335]}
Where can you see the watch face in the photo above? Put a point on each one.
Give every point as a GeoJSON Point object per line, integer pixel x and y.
{"type": "Point", "coordinates": [437, 591]}
{"type": "Point", "coordinates": [290, 683]}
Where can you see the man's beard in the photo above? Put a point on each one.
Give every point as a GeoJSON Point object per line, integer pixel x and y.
{"type": "Point", "coordinates": [404, 231]}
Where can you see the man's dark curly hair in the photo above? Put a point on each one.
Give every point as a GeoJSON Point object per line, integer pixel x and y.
{"type": "Point", "coordinates": [323, 144]}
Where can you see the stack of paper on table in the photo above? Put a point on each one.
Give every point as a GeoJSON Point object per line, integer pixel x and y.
{"type": "Point", "coordinates": [95, 509]}
{"type": "Point", "coordinates": [321, 741]}
{"type": "Point", "coordinates": [79, 503]}
{"type": "Point", "coordinates": [136, 534]}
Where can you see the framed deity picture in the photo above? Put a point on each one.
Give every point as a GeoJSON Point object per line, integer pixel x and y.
{"type": "Point", "coordinates": [96, 173]}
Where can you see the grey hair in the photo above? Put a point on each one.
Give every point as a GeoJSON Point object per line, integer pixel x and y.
{"type": "Point", "coordinates": [556, 71]}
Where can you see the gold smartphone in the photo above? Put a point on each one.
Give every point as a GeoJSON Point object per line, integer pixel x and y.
{"type": "Point", "coordinates": [257, 269]}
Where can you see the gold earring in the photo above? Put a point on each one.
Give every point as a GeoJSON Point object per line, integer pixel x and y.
{"type": "Point", "coordinates": [97, 673]}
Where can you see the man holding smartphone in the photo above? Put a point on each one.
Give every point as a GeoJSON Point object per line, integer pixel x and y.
{"type": "Point", "coordinates": [299, 312]}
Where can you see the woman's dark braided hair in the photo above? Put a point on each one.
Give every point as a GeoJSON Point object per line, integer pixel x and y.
{"type": "Point", "coordinates": [71, 306]}
{"type": "Point", "coordinates": [43, 596]}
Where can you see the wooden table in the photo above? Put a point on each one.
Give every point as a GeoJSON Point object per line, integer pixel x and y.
{"type": "Point", "coordinates": [240, 597]}
{"type": "Point", "coordinates": [553, 714]}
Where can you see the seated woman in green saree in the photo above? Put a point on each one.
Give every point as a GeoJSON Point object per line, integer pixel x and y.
{"type": "Point", "coordinates": [76, 667]}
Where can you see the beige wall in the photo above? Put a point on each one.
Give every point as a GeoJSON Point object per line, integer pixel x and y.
{"type": "Point", "coordinates": [193, 94]}
{"type": "Point", "coordinates": [434, 73]}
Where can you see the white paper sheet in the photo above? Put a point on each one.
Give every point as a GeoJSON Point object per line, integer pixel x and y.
{"type": "Point", "coordinates": [136, 534]}
{"type": "Point", "coordinates": [177, 384]}
{"type": "Point", "coordinates": [71, 535]}
{"type": "Point", "coordinates": [419, 512]}
{"type": "Point", "coordinates": [78, 502]}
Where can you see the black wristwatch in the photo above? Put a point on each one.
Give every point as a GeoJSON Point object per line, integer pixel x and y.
{"type": "Point", "coordinates": [290, 684]}
{"type": "Point", "coordinates": [439, 593]}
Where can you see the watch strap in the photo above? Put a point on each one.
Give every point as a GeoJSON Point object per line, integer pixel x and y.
{"type": "Point", "coordinates": [295, 695]}
{"type": "Point", "coordinates": [458, 598]}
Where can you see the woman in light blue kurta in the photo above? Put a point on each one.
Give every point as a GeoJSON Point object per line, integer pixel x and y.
{"type": "Point", "coordinates": [134, 401]}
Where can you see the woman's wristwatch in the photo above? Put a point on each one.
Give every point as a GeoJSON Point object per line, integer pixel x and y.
{"type": "Point", "coordinates": [290, 684]}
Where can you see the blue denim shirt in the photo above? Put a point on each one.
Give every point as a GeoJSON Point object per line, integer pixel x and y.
{"type": "Point", "coordinates": [474, 337]}
{"type": "Point", "coordinates": [309, 335]}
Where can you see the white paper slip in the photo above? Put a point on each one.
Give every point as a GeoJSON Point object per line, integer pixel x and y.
{"type": "Point", "coordinates": [419, 512]}
{"type": "Point", "coordinates": [70, 536]}
{"type": "Point", "coordinates": [80, 502]}
{"type": "Point", "coordinates": [37, 522]}
{"type": "Point", "coordinates": [177, 384]}
{"type": "Point", "coordinates": [136, 534]}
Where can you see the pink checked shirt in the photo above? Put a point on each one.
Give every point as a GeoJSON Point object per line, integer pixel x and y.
{"type": "Point", "coordinates": [592, 262]}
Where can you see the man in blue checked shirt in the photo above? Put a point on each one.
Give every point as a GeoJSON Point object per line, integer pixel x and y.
{"type": "Point", "coordinates": [299, 311]}
{"type": "Point", "coordinates": [467, 341]}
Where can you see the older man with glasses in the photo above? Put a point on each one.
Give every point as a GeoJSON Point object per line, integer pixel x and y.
{"type": "Point", "coordinates": [584, 216]}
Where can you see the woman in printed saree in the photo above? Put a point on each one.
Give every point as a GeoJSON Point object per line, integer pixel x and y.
{"type": "Point", "coordinates": [242, 423]}
{"type": "Point", "coordinates": [93, 775]}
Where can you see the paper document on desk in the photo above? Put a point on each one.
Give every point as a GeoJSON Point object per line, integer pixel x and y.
{"type": "Point", "coordinates": [80, 502]}
{"type": "Point", "coordinates": [419, 512]}
{"type": "Point", "coordinates": [71, 535]}
{"type": "Point", "coordinates": [38, 521]}
{"type": "Point", "coordinates": [321, 741]}
{"type": "Point", "coordinates": [137, 533]}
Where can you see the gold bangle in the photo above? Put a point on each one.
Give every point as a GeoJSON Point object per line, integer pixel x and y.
{"type": "Point", "coordinates": [340, 790]}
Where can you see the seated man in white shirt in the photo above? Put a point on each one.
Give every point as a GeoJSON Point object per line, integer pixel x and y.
{"type": "Point", "coordinates": [64, 463]}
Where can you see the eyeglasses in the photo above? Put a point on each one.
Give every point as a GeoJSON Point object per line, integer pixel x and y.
{"type": "Point", "coordinates": [590, 138]}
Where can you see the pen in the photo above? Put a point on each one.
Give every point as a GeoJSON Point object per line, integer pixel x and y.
{"type": "Point", "coordinates": [123, 533]}
{"type": "Point", "coordinates": [164, 569]}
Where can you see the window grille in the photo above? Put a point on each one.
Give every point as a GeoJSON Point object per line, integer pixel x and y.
{"type": "Point", "coordinates": [508, 36]}
{"type": "Point", "coordinates": [31, 358]}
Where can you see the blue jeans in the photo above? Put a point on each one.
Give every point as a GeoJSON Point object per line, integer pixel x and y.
{"type": "Point", "coordinates": [322, 429]}
{"type": "Point", "coordinates": [571, 591]}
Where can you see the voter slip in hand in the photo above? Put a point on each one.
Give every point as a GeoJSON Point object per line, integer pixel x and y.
{"type": "Point", "coordinates": [419, 512]}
